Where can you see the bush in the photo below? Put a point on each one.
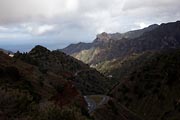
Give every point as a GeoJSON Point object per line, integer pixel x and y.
{"type": "Point", "coordinates": [50, 111]}
{"type": "Point", "coordinates": [113, 107]}
{"type": "Point", "coordinates": [12, 72]}
{"type": "Point", "coordinates": [59, 88]}
{"type": "Point", "coordinates": [43, 70]}
{"type": "Point", "coordinates": [124, 89]}
{"type": "Point", "coordinates": [1, 72]}
{"type": "Point", "coordinates": [14, 102]}
{"type": "Point", "coordinates": [41, 81]}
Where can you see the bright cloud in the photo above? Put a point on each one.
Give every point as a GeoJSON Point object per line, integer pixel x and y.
{"type": "Point", "coordinates": [38, 30]}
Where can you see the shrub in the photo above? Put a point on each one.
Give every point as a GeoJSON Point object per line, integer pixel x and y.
{"type": "Point", "coordinates": [14, 102]}
{"type": "Point", "coordinates": [1, 72]}
{"type": "Point", "coordinates": [59, 88]}
{"type": "Point", "coordinates": [124, 89]}
{"type": "Point", "coordinates": [113, 107]}
{"type": "Point", "coordinates": [50, 111]}
{"type": "Point", "coordinates": [12, 72]}
{"type": "Point", "coordinates": [41, 81]}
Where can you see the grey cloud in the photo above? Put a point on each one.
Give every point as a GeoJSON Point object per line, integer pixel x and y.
{"type": "Point", "coordinates": [70, 21]}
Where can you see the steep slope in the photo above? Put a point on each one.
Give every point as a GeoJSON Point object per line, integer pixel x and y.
{"type": "Point", "coordinates": [86, 79]}
{"type": "Point", "coordinates": [113, 110]}
{"type": "Point", "coordinates": [76, 48]}
{"type": "Point", "coordinates": [150, 84]}
{"type": "Point", "coordinates": [138, 33]}
{"type": "Point", "coordinates": [155, 37]}
{"type": "Point", "coordinates": [28, 94]}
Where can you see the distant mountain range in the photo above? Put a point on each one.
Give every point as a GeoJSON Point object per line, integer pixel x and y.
{"type": "Point", "coordinates": [6, 51]}
{"type": "Point", "coordinates": [111, 46]}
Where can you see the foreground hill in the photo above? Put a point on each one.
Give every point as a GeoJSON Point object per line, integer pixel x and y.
{"type": "Point", "coordinates": [87, 80]}
{"type": "Point", "coordinates": [149, 84]}
{"type": "Point", "coordinates": [38, 92]}
{"type": "Point", "coordinates": [26, 93]}
{"type": "Point", "coordinates": [112, 46]}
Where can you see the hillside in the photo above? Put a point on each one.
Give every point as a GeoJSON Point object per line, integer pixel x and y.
{"type": "Point", "coordinates": [76, 48]}
{"type": "Point", "coordinates": [87, 80]}
{"type": "Point", "coordinates": [6, 51]}
{"type": "Point", "coordinates": [26, 93]}
{"type": "Point", "coordinates": [149, 84]}
{"type": "Point", "coordinates": [31, 92]}
{"type": "Point", "coordinates": [112, 46]}
{"type": "Point", "coordinates": [113, 110]}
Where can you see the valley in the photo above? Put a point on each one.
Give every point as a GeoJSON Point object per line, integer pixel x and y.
{"type": "Point", "coordinates": [89, 59]}
{"type": "Point", "coordinates": [142, 66]}
{"type": "Point", "coordinates": [119, 76]}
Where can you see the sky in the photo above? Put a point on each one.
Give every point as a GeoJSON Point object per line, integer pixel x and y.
{"type": "Point", "coordinates": [58, 23]}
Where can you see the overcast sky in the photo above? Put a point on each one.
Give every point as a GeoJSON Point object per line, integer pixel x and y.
{"type": "Point", "coordinates": [57, 23]}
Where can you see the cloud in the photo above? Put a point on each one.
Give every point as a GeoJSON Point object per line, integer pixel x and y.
{"type": "Point", "coordinates": [157, 4]}
{"type": "Point", "coordinates": [3, 28]}
{"type": "Point", "coordinates": [38, 29]}
{"type": "Point", "coordinates": [61, 22]}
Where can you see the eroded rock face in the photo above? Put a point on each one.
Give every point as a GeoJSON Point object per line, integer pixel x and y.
{"type": "Point", "coordinates": [103, 37]}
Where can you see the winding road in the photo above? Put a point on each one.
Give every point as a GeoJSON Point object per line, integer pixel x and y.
{"type": "Point", "coordinates": [92, 105]}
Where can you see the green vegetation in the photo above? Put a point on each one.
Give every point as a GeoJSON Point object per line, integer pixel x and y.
{"type": "Point", "coordinates": [86, 79]}
{"type": "Point", "coordinates": [52, 112]}
{"type": "Point", "coordinates": [151, 85]}
{"type": "Point", "coordinates": [26, 93]}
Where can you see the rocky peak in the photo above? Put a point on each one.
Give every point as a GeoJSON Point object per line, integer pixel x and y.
{"type": "Point", "coordinates": [103, 37]}
{"type": "Point", "coordinates": [39, 49]}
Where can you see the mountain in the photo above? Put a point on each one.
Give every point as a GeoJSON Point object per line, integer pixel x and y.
{"type": "Point", "coordinates": [87, 80]}
{"type": "Point", "coordinates": [138, 33]}
{"type": "Point", "coordinates": [106, 47]}
{"type": "Point", "coordinates": [75, 48]}
{"type": "Point", "coordinates": [149, 84]}
{"type": "Point", "coordinates": [143, 67]}
{"type": "Point", "coordinates": [48, 85]}
{"type": "Point", "coordinates": [6, 51]}
{"type": "Point", "coordinates": [26, 93]}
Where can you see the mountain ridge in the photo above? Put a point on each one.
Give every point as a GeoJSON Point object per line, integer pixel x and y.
{"type": "Point", "coordinates": [73, 48]}
{"type": "Point", "coordinates": [86, 79]}
{"type": "Point", "coordinates": [155, 37]}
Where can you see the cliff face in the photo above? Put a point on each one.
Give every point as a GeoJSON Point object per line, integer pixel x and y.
{"type": "Point", "coordinates": [103, 37]}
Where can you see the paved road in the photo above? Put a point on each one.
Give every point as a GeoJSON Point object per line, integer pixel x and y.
{"type": "Point", "coordinates": [104, 100]}
{"type": "Point", "coordinates": [92, 105]}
